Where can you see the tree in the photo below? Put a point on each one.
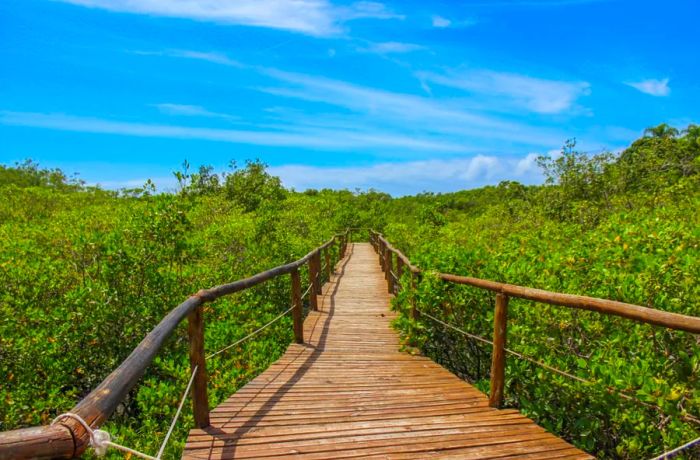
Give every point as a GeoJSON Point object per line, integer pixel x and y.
{"type": "Point", "coordinates": [253, 185]}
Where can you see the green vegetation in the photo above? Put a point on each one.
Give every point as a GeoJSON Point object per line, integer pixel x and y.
{"type": "Point", "coordinates": [87, 273]}
{"type": "Point", "coordinates": [621, 227]}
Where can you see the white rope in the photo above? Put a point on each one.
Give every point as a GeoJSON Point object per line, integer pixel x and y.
{"type": "Point", "coordinates": [678, 450]}
{"type": "Point", "coordinates": [612, 390]}
{"type": "Point", "coordinates": [255, 332]}
{"type": "Point", "coordinates": [307, 290]}
{"type": "Point", "coordinates": [177, 414]}
{"type": "Point", "coordinates": [100, 440]}
{"type": "Point", "coordinates": [475, 337]}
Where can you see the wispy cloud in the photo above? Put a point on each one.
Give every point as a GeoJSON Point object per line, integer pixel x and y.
{"type": "Point", "coordinates": [534, 94]}
{"type": "Point", "coordinates": [192, 111]}
{"type": "Point", "coordinates": [282, 136]}
{"type": "Point", "coordinates": [392, 48]}
{"type": "Point", "coordinates": [208, 56]}
{"type": "Point", "coordinates": [311, 17]}
{"type": "Point", "coordinates": [440, 22]}
{"type": "Point", "coordinates": [376, 102]}
{"type": "Point", "coordinates": [530, 3]}
{"type": "Point", "coordinates": [414, 176]}
{"type": "Point", "coordinates": [652, 87]}
{"type": "Point", "coordinates": [366, 108]}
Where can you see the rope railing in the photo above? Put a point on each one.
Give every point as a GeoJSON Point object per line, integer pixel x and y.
{"type": "Point", "coordinates": [74, 431]}
{"type": "Point", "coordinates": [252, 334]}
{"type": "Point", "coordinates": [678, 450]}
{"type": "Point", "coordinates": [609, 389]}
{"type": "Point", "coordinates": [387, 253]}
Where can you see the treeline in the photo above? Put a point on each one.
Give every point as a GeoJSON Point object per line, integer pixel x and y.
{"type": "Point", "coordinates": [88, 272]}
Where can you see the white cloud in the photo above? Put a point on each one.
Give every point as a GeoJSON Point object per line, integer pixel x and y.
{"type": "Point", "coordinates": [279, 136]}
{"type": "Point", "coordinates": [527, 166]}
{"type": "Point", "coordinates": [213, 57]}
{"type": "Point", "coordinates": [440, 22]}
{"type": "Point", "coordinates": [534, 94]}
{"type": "Point", "coordinates": [413, 176]}
{"type": "Point", "coordinates": [406, 112]}
{"type": "Point", "coordinates": [460, 120]}
{"type": "Point", "coordinates": [191, 111]}
{"type": "Point", "coordinates": [312, 17]}
{"type": "Point", "coordinates": [652, 87]}
{"type": "Point", "coordinates": [392, 48]}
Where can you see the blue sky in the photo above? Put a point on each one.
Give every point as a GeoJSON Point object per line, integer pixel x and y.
{"type": "Point", "coordinates": [400, 96]}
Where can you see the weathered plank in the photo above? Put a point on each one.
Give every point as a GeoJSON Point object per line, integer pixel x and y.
{"type": "Point", "coordinates": [349, 392]}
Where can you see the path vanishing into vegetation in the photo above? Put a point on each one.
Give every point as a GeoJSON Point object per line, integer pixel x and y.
{"type": "Point", "coordinates": [349, 392]}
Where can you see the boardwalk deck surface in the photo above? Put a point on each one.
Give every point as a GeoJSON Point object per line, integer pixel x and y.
{"type": "Point", "coordinates": [349, 392]}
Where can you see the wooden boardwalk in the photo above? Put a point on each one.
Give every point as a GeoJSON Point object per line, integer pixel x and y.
{"type": "Point", "coordinates": [349, 392]}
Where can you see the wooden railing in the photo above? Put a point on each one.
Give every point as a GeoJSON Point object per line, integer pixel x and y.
{"type": "Point", "coordinates": [68, 439]}
{"type": "Point", "coordinates": [394, 262]}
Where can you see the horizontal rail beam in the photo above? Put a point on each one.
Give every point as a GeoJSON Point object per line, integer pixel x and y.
{"type": "Point", "coordinates": [647, 315]}
{"type": "Point", "coordinates": [610, 307]}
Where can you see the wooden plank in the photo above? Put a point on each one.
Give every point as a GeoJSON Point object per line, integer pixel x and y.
{"type": "Point", "coordinates": [349, 392]}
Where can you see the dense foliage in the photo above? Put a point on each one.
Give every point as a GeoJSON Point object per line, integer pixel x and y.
{"type": "Point", "coordinates": [87, 273]}
{"type": "Point", "coordinates": [623, 227]}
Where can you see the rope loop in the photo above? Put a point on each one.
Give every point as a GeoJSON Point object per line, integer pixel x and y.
{"type": "Point", "coordinates": [100, 440]}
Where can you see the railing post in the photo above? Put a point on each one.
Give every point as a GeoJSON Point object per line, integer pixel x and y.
{"type": "Point", "coordinates": [313, 275]}
{"type": "Point", "coordinates": [498, 359]}
{"type": "Point", "coordinates": [389, 276]}
{"type": "Point", "coordinates": [317, 279]}
{"type": "Point", "coordinates": [399, 272]}
{"type": "Point", "coordinates": [414, 309]}
{"type": "Point", "coordinates": [381, 254]}
{"type": "Point", "coordinates": [297, 314]}
{"type": "Point", "coordinates": [329, 269]}
{"type": "Point", "coordinates": [200, 401]}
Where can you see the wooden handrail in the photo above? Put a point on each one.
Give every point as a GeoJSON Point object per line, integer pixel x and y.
{"type": "Point", "coordinates": [504, 291]}
{"type": "Point", "coordinates": [68, 439]}
{"type": "Point", "coordinates": [647, 315]}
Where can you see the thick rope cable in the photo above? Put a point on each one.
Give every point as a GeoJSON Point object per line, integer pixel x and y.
{"type": "Point", "coordinates": [101, 440]}
{"type": "Point", "coordinates": [611, 390]}
{"type": "Point", "coordinates": [308, 289]}
{"type": "Point", "coordinates": [177, 414]}
{"type": "Point", "coordinates": [475, 337]}
{"type": "Point", "coordinates": [252, 334]}
{"type": "Point", "coordinates": [678, 450]}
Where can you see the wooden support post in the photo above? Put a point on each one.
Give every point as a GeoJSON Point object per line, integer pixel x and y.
{"type": "Point", "coordinates": [297, 313]}
{"type": "Point", "coordinates": [200, 401]}
{"type": "Point", "coordinates": [381, 254]}
{"type": "Point", "coordinates": [414, 309]}
{"type": "Point", "coordinates": [399, 272]}
{"type": "Point", "coordinates": [389, 276]}
{"type": "Point", "coordinates": [317, 280]}
{"type": "Point", "coordinates": [498, 360]}
{"type": "Point", "coordinates": [313, 276]}
{"type": "Point", "coordinates": [329, 269]}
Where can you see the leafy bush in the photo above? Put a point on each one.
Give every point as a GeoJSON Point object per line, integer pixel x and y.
{"type": "Point", "coordinates": [588, 231]}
